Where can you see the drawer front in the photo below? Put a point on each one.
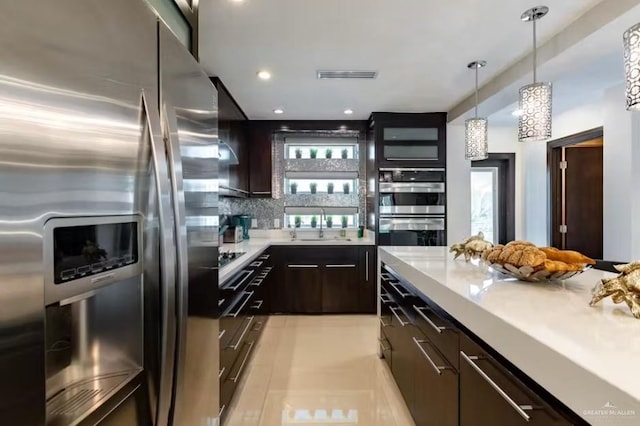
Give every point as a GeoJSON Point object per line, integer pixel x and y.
{"type": "Point", "coordinates": [385, 348]}
{"type": "Point", "coordinates": [440, 332]}
{"type": "Point", "coordinates": [488, 390]}
{"type": "Point", "coordinates": [229, 382]}
{"type": "Point", "coordinates": [230, 352]}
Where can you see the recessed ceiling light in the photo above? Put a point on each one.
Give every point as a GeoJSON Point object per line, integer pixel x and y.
{"type": "Point", "coordinates": [237, 1]}
{"type": "Point", "coordinates": [517, 113]}
{"type": "Point", "coordinates": [278, 111]}
{"type": "Point", "coordinates": [264, 75]}
{"type": "Point", "coordinates": [348, 111]}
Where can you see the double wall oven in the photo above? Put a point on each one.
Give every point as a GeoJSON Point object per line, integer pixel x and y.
{"type": "Point", "coordinates": [412, 204]}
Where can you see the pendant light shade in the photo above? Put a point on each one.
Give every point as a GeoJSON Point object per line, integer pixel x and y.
{"type": "Point", "coordinates": [631, 39]}
{"type": "Point", "coordinates": [476, 136]}
{"type": "Point", "coordinates": [476, 139]}
{"type": "Point", "coordinates": [535, 107]}
{"type": "Point", "coordinates": [535, 100]}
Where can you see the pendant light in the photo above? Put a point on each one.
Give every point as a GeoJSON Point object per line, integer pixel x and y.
{"type": "Point", "coordinates": [535, 99]}
{"type": "Point", "coordinates": [631, 39]}
{"type": "Point", "coordinates": [475, 129]}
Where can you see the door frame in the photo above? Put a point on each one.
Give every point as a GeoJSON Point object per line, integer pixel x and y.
{"type": "Point", "coordinates": [507, 191]}
{"type": "Point", "coordinates": [554, 176]}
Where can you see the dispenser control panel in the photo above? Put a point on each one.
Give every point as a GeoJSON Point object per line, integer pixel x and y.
{"type": "Point", "coordinates": [89, 252]}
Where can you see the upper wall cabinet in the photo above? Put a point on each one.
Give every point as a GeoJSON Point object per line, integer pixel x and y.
{"type": "Point", "coordinates": [259, 140]}
{"type": "Point", "coordinates": [410, 140]}
{"type": "Point", "coordinates": [234, 170]}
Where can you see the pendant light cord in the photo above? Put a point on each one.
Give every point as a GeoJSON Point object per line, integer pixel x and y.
{"type": "Point", "coordinates": [477, 91]}
{"type": "Point", "coordinates": [535, 51]}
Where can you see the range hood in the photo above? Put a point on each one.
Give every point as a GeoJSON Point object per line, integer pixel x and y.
{"type": "Point", "coordinates": [227, 155]}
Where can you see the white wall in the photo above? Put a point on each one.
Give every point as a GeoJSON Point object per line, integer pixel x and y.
{"type": "Point", "coordinates": [578, 120]}
{"type": "Point", "coordinates": [504, 139]}
{"type": "Point", "coordinates": [621, 179]}
{"type": "Point", "coordinates": [458, 186]}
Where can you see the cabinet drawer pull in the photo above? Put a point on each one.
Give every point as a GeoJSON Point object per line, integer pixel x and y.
{"type": "Point", "coordinates": [382, 345]}
{"type": "Point", "coordinates": [387, 276]}
{"type": "Point", "coordinates": [385, 299]}
{"type": "Point", "coordinates": [302, 266]}
{"type": "Point", "coordinates": [366, 266]}
{"type": "Point", "coordinates": [395, 314]}
{"type": "Point", "coordinates": [257, 304]}
{"type": "Point", "coordinates": [244, 361]}
{"type": "Point", "coordinates": [261, 192]}
{"type": "Point", "coordinates": [222, 410]}
{"type": "Point", "coordinates": [256, 264]}
{"type": "Point", "coordinates": [264, 256]}
{"type": "Point", "coordinates": [436, 367]}
{"type": "Point", "coordinates": [246, 274]}
{"type": "Point", "coordinates": [437, 328]}
{"type": "Point", "coordinates": [520, 409]}
{"type": "Point", "coordinates": [221, 334]}
{"type": "Point", "coordinates": [256, 282]}
{"type": "Point", "coordinates": [249, 295]}
{"type": "Point", "coordinates": [258, 326]}
{"type": "Point", "coordinates": [221, 372]}
{"type": "Point", "coordinates": [235, 347]}
{"type": "Point", "coordinates": [341, 266]}
{"type": "Point", "coordinates": [400, 292]}
{"type": "Point", "coordinates": [383, 323]}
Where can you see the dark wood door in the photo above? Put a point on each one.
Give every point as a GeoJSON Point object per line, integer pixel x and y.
{"type": "Point", "coordinates": [367, 286]}
{"type": "Point", "coordinates": [400, 334]}
{"type": "Point", "coordinates": [584, 200]}
{"type": "Point", "coordinates": [436, 387]}
{"type": "Point", "coordinates": [303, 284]}
{"type": "Point", "coordinates": [259, 140]}
{"type": "Point", "coordinates": [340, 288]}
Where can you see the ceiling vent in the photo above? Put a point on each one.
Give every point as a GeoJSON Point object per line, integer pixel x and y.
{"type": "Point", "coordinates": [367, 75]}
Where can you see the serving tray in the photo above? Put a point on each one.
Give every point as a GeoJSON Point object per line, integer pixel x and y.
{"type": "Point", "coordinates": [529, 274]}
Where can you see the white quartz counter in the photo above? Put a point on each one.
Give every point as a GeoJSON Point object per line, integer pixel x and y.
{"type": "Point", "coordinates": [254, 246]}
{"type": "Point", "coordinates": [587, 357]}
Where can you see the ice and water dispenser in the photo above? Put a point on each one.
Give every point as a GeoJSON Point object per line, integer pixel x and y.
{"type": "Point", "coordinates": [94, 312]}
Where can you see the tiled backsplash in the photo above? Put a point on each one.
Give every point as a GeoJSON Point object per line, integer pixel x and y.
{"type": "Point", "coordinates": [265, 210]}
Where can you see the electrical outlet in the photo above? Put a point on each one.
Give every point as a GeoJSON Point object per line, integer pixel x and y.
{"type": "Point", "coordinates": [276, 223]}
{"type": "Point", "coordinates": [254, 223]}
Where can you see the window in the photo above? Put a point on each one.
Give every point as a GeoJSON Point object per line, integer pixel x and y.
{"type": "Point", "coordinates": [484, 202]}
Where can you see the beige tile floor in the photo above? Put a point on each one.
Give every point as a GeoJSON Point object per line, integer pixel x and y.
{"type": "Point", "coordinates": [320, 371]}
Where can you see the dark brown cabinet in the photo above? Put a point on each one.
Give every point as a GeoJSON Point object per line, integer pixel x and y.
{"type": "Point", "coordinates": [259, 140]}
{"type": "Point", "coordinates": [323, 279]}
{"type": "Point", "coordinates": [436, 386]}
{"type": "Point", "coordinates": [489, 393]}
{"type": "Point", "coordinates": [303, 287]}
{"type": "Point", "coordinates": [340, 289]}
{"type": "Point", "coordinates": [367, 280]}
{"type": "Point", "coordinates": [448, 377]}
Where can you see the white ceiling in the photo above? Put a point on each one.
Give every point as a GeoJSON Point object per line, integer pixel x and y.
{"type": "Point", "coordinates": [419, 47]}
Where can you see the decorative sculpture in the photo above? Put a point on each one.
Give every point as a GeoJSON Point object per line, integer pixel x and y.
{"type": "Point", "coordinates": [472, 247]}
{"type": "Point", "coordinates": [623, 288]}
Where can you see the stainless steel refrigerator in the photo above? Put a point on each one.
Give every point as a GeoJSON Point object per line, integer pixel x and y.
{"type": "Point", "coordinates": [108, 219]}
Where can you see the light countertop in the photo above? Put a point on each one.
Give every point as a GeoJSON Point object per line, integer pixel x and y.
{"type": "Point", "coordinates": [256, 245]}
{"type": "Point", "coordinates": [584, 356]}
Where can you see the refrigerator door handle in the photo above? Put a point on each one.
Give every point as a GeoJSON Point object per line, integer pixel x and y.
{"type": "Point", "coordinates": [171, 140]}
{"type": "Point", "coordinates": [168, 258]}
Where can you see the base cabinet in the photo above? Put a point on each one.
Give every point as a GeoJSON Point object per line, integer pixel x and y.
{"type": "Point", "coordinates": [303, 288]}
{"type": "Point", "coordinates": [445, 376]}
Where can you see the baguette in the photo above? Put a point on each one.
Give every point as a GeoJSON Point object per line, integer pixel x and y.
{"type": "Point", "coordinates": [567, 256]}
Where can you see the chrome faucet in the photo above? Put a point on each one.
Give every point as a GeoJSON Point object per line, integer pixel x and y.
{"type": "Point", "coordinates": [321, 235]}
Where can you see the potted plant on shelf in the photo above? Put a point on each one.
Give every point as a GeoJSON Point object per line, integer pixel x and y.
{"type": "Point", "coordinates": [345, 153]}
{"type": "Point", "coordinates": [314, 187]}
{"type": "Point", "coordinates": [329, 222]}
{"type": "Point", "coordinates": [328, 153]}
{"type": "Point", "coordinates": [313, 152]}
{"type": "Point", "coordinates": [298, 221]}
{"type": "Point", "coordinates": [294, 188]}
{"type": "Point", "coordinates": [298, 153]}
{"type": "Point", "coordinates": [330, 188]}
{"type": "Point", "coordinates": [345, 221]}
{"type": "Point", "coordinates": [345, 188]}
{"type": "Point", "coordinates": [314, 221]}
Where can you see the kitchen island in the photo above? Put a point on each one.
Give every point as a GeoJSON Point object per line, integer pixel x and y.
{"type": "Point", "coordinates": [585, 357]}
